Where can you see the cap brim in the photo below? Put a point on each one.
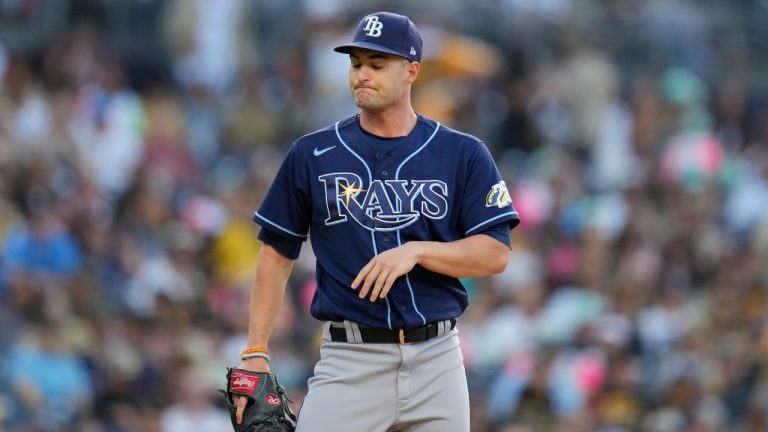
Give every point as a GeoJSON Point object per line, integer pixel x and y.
{"type": "Point", "coordinates": [346, 49]}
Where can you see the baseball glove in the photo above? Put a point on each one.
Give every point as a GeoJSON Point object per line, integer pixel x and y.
{"type": "Point", "coordinates": [267, 409]}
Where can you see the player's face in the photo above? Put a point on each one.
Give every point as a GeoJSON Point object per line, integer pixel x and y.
{"type": "Point", "coordinates": [378, 80]}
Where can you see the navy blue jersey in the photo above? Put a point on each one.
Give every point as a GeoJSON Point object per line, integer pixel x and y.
{"type": "Point", "coordinates": [356, 195]}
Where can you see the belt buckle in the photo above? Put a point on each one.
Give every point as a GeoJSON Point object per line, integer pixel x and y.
{"type": "Point", "coordinates": [401, 334]}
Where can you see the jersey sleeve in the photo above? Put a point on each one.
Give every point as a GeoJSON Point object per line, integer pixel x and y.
{"type": "Point", "coordinates": [499, 231]}
{"type": "Point", "coordinates": [286, 208]}
{"type": "Point", "coordinates": [485, 202]}
{"type": "Point", "coordinates": [288, 247]}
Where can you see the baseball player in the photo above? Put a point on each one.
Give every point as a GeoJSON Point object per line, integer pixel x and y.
{"type": "Point", "coordinates": [398, 207]}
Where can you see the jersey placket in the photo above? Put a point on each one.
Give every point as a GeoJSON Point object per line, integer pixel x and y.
{"type": "Point", "coordinates": [385, 240]}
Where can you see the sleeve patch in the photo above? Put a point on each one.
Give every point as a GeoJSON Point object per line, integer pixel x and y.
{"type": "Point", "coordinates": [498, 196]}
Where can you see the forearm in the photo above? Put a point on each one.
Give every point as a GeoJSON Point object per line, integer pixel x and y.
{"type": "Point", "coordinates": [475, 256]}
{"type": "Point", "coordinates": [267, 294]}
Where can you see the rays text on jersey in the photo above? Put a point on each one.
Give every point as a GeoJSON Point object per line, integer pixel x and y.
{"type": "Point", "coordinates": [384, 205]}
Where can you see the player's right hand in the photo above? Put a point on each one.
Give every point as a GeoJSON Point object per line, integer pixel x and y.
{"type": "Point", "coordinates": [256, 365]}
{"type": "Point", "coordinates": [378, 276]}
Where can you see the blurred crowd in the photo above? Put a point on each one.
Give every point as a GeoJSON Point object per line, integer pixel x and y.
{"type": "Point", "coordinates": [633, 135]}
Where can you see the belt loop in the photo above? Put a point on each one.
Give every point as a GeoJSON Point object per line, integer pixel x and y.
{"type": "Point", "coordinates": [401, 334]}
{"type": "Point", "coordinates": [326, 329]}
{"type": "Point", "coordinates": [358, 338]}
{"type": "Point", "coordinates": [350, 333]}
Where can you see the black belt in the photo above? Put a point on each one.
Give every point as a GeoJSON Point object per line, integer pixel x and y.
{"type": "Point", "coordinates": [398, 336]}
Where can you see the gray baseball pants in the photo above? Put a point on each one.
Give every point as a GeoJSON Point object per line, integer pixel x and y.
{"type": "Point", "coordinates": [365, 387]}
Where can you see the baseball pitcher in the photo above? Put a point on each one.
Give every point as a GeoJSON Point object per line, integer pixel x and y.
{"type": "Point", "coordinates": [398, 207]}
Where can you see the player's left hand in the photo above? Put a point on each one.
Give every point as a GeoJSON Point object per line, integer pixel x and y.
{"type": "Point", "coordinates": [381, 272]}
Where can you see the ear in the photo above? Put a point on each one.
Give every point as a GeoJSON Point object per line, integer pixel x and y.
{"type": "Point", "coordinates": [413, 69]}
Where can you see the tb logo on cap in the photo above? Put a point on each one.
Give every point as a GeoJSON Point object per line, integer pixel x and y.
{"type": "Point", "coordinates": [373, 26]}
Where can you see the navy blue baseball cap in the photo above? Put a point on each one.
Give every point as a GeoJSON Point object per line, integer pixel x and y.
{"type": "Point", "coordinates": [389, 33]}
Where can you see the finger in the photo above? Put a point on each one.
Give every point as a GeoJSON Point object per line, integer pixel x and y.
{"type": "Point", "coordinates": [241, 404]}
{"type": "Point", "coordinates": [388, 285]}
{"type": "Point", "coordinates": [363, 273]}
{"type": "Point", "coordinates": [369, 280]}
{"type": "Point", "coordinates": [379, 284]}
{"type": "Point", "coordinates": [380, 281]}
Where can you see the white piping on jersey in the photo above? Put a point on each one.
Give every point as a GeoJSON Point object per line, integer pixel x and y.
{"type": "Point", "coordinates": [509, 213]}
{"type": "Point", "coordinates": [397, 173]}
{"type": "Point", "coordinates": [370, 181]}
{"type": "Point", "coordinates": [389, 308]}
{"type": "Point", "coordinates": [410, 288]}
{"type": "Point", "coordinates": [280, 227]}
{"type": "Point", "coordinates": [338, 135]}
{"type": "Point", "coordinates": [399, 242]}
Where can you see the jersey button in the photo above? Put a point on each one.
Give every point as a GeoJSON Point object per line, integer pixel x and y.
{"type": "Point", "coordinates": [387, 238]}
{"type": "Point", "coordinates": [384, 172]}
{"type": "Point", "coordinates": [378, 155]}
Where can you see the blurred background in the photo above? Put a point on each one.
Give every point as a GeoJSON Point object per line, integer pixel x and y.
{"type": "Point", "coordinates": [137, 137]}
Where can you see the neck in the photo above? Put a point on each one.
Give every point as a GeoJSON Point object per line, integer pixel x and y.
{"type": "Point", "coordinates": [389, 124]}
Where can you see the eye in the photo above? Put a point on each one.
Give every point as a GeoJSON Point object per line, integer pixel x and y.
{"type": "Point", "coordinates": [377, 66]}
{"type": "Point", "coordinates": [356, 65]}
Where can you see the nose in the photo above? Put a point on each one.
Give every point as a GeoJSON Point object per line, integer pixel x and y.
{"type": "Point", "coordinates": [362, 73]}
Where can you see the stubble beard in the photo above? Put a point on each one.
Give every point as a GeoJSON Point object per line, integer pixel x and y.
{"type": "Point", "coordinates": [367, 102]}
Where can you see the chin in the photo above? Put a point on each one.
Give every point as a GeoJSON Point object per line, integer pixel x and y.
{"type": "Point", "coordinates": [363, 105]}
{"type": "Point", "coordinates": [368, 104]}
